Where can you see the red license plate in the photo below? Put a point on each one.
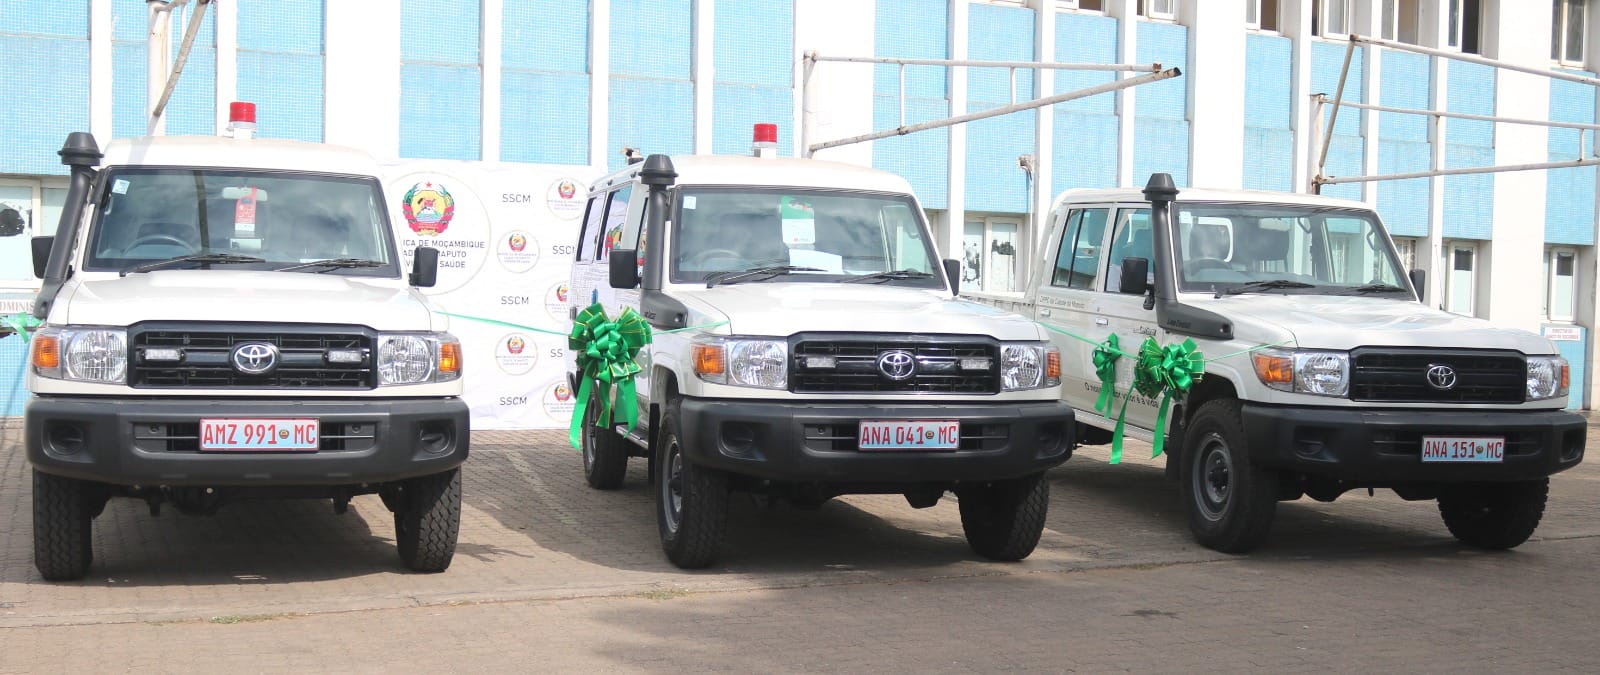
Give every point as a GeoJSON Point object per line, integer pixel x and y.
{"type": "Point", "coordinates": [259, 435]}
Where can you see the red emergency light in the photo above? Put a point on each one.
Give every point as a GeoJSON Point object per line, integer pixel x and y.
{"type": "Point", "coordinates": [765, 141]}
{"type": "Point", "coordinates": [241, 119]}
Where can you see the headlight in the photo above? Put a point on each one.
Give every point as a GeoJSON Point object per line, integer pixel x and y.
{"type": "Point", "coordinates": [1029, 365]}
{"type": "Point", "coordinates": [417, 358]}
{"type": "Point", "coordinates": [745, 363]}
{"type": "Point", "coordinates": [1547, 377]}
{"type": "Point", "coordinates": [81, 354]}
{"type": "Point", "coordinates": [1305, 372]}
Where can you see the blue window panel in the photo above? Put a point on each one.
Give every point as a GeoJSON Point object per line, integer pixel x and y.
{"type": "Point", "coordinates": [1085, 131]}
{"type": "Point", "coordinates": [1348, 148]}
{"type": "Point", "coordinates": [920, 157]}
{"type": "Point", "coordinates": [1268, 140]}
{"type": "Point", "coordinates": [192, 110]}
{"type": "Point", "coordinates": [755, 73]}
{"type": "Point", "coordinates": [128, 78]}
{"type": "Point", "coordinates": [544, 117]}
{"type": "Point", "coordinates": [13, 363]}
{"type": "Point", "coordinates": [287, 91]}
{"type": "Point", "coordinates": [755, 42]}
{"type": "Point", "coordinates": [650, 115]}
{"type": "Point", "coordinates": [740, 107]}
{"type": "Point", "coordinates": [1576, 352]}
{"type": "Point", "coordinates": [651, 38]}
{"type": "Point", "coordinates": [47, 98]}
{"type": "Point", "coordinates": [1407, 83]}
{"type": "Point", "coordinates": [1471, 89]}
{"type": "Point", "coordinates": [1569, 214]}
{"type": "Point", "coordinates": [1161, 126]}
{"type": "Point", "coordinates": [551, 35]}
{"type": "Point", "coordinates": [1403, 145]}
{"type": "Point", "coordinates": [441, 115]}
{"type": "Point", "coordinates": [57, 18]}
{"type": "Point", "coordinates": [293, 26]}
{"type": "Point", "coordinates": [994, 182]}
{"type": "Point", "coordinates": [130, 20]}
{"type": "Point", "coordinates": [913, 29]}
{"type": "Point", "coordinates": [439, 31]}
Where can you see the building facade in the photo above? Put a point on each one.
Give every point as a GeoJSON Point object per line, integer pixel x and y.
{"type": "Point", "coordinates": [576, 81]}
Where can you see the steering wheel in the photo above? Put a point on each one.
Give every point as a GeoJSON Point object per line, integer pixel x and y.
{"type": "Point", "coordinates": [700, 259]}
{"type": "Point", "coordinates": [1199, 264]}
{"type": "Point", "coordinates": [160, 239]}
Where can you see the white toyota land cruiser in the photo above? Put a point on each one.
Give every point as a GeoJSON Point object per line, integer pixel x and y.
{"type": "Point", "coordinates": [826, 353]}
{"type": "Point", "coordinates": [227, 318]}
{"type": "Point", "coordinates": [1324, 373]}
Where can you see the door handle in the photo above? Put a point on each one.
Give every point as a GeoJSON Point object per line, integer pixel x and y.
{"type": "Point", "coordinates": [1098, 321]}
{"type": "Point", "coordinates": [1044, 312]}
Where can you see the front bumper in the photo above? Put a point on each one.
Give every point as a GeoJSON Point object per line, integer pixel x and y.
{"type": "Point", "coordinates": [817, 442]}
{"type": "Point", "coordinates": [152, 441]}
{"type": "Point", "coordinates": [1385, 446]}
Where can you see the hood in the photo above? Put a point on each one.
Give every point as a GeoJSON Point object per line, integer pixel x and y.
{"type": "Point", "coordinates": [782, 309]}
{"type": "Point", "coordinates": [1348, 322]}
{"type": "Point", "coordinates": [228, 295]}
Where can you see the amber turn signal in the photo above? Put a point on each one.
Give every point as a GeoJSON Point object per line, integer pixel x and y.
{"type": "Point", "coordinates": [450, 357]}
{"type": "Point", "coordinates": [1052, 364]}
{"type": "Point", "coordinates": [46, 352]}
{"type": "Point", "coordinates": [709, 360]}
{"type": "Point", "coordinates": [1274, 368]}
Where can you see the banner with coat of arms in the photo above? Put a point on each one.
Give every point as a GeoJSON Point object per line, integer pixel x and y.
{"type": "Point", "coordinates": [506, 235]}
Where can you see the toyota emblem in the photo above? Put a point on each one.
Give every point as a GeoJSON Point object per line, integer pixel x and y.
{"type": "Point", "coordinates": [897, 365]}
{"type": "Point", "coordinates": [255, 358]}
{"type": "Point", "coordinates": [1441, 376]}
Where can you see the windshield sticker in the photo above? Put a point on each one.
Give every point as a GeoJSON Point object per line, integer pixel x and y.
{"type": "Point", "coordinates": [119, 186]}
{"type": "Point", "coordinates": [245, 244]}
{"type": "Point", "coordinates": [799, 222]}
{"type": "Point", "coordinates": [827, 262]}
{"type": "Point", "coordinates": [688, 202]}
{"type": "Point", "coordinates": [244, 214]}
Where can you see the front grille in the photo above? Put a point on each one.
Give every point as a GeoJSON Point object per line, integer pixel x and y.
{"type": "Point", "coordinates": [206, 358]}
{"type": "Point", "coordinates": [185, 436]}
{"type": "Point", "coordinates": [1397, 375]}
{"type": "Point", "coordinates": [854, 366]}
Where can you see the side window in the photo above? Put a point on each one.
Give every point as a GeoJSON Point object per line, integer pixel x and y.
{"type": "Point", "coordinates": [1132, 238]}
{"type": "Point", "coordinates": [1087, 229]}
{"type": "Point", "coordinates": [615, 222]}
{"type": "Point", "coordinates": [591, 226]}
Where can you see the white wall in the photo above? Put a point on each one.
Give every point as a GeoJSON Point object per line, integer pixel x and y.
{"type": "Point", "coordinates": [362, 72]}
{"type": "Point", "coordinates": [840, 93]}
{"type": "Point", "coordinates": [1518, 238]}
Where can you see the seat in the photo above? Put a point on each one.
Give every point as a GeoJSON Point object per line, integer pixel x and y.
{"type": "Point", "coordinates": [758, 237]}
{"type": "Point", "coordinates": [1208, 241]}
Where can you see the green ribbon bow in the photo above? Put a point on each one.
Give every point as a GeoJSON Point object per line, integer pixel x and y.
{"type": "Point", "coordinates": [1105, 366]}
{"type": "Point", "coordinates": [1168, 371]}
{"type": "Point", "coordinates": [21, 324]}
{"type": "Point", "coordinates": [606, 351]}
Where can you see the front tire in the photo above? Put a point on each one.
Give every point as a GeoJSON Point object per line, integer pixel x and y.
{"type": "Point", "coordinates": [1003, 520]}
{"type": "Point", "coordinates": [1495, 516]}
{"type": "Point", "coordinates": [63, 510]}
{"type": "Point", "coordinates": [1230, 501]}
{"type": "Point", "coordinates": [428, 521]}
{"type": "Point", "coordinates": [691, 501]}
{"type": "Point", "coordinates": [605, 454]}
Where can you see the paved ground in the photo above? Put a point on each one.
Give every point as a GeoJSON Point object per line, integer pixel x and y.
{"type": "Point", "coordinates": [551, 575]}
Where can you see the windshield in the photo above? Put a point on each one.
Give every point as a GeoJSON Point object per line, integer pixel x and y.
{"type": "Point", "coordinates": [1223, 247]}
{"type": "Point", "coordinates": [281, 218]}
{"type": "Point", "coordinates": [726, 230]}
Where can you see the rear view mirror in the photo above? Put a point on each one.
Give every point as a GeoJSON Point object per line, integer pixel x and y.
{"type": "Point", "coordinates": [624, 268]}
{"type": "Point", "coordinates": [952, 272]}
{"type": "Point", "coordinates": [1135, 278]}
{"type": "Point", "coordinates": [425, 267]}
{"type": "Point", "coordinates": [41, 254]}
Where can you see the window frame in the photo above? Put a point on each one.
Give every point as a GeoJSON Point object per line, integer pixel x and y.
{"type": "Point", "coordinates": [1321, 20]}
{"type": "Point", "coordinates": [1552, 270]}
{"type": "Point", "coordinates": [1259, 25]}
{"type": "Point", "coordinates": [1559, 31]}
{"type": "Point", "coordinates": [1079, 211]}
{"type": "Point", "coordinates": [1450, 249]}
{"type": "Point", "coordinates": [1077, 6]}
{"type": "Point", "coordinates": [1147, 11]}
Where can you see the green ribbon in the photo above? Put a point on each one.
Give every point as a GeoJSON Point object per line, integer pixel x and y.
{"type": "Point", "coordinates": [1105, 366]}
{"type": "Point", "coordinates": [1169, 371]}
{"type": "Point", "coordinates": [606, 350]}
{"type": "Point", "coordinates": [21, 324]}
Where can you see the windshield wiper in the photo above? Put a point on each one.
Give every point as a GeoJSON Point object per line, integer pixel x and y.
{"type": "Point", "coordinates": [1378, 288]}
{"type": "Point", "coordinates": [203, 259]}
{"type": "Point", "coordinates": [892, 275]}
{"type": "Point", "coordinates": [335, 263]}
{"type": "Point", "coordinates": [1264, 285]}
{"type": "Point", "coordinates": [730, 277]}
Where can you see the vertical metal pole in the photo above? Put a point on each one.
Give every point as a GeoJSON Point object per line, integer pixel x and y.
{"type": "Point", "coordinates": [156, 46]}
{"type": "Point", "coordinates": [1315, 170]}
{"type": "Point", "coordinates": [1338, 97]}
{"type": "Point", "coordinates": [809, 63]}
{"type": "Point", "coordinates": [902, 94]}
{"type": "Point", "coordinates": [1012, 72]}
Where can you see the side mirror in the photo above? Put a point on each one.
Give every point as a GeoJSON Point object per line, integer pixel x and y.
{"type": "Point", "coordinates": [952, 271]}
{"type": "Point", "coordinates": [1135, 276]}
{"type": "Point", "coordinates": [424, 267]}
{"type": "Point", "coordinates": [41, 254]}
{"type": "Point", "coordinates": [1419, 280]}
{"type": "Point", "coordinates": [624, 268]}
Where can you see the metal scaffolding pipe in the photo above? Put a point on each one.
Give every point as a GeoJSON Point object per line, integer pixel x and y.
{"type": "Point", "coordinates": [1472, 58]}
{"type": "Point", "coordinates": [1469, 116]}
{"type": "Point", "coordinates": [1049, 65]}
{"type": "Point", "coordinates": [1567, 164]}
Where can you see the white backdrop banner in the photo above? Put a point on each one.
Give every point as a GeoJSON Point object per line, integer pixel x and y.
{"type": "Point", "coordinates": [506, 235]}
